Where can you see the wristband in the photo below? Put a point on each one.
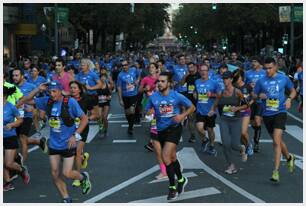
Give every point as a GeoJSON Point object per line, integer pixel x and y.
{"type": "Point", "coordinates": [77, 136]}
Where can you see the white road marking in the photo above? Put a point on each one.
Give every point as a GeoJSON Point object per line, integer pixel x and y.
{"type": "Point", "coordinates": [109, 115]}
{"type": "Point", "coordinates": [295, 131]}
{"type": "Point", "coordinates": [294, 117]}
{"type": "Point", "coordinates": [123, 185]}
{"type": "Point", "coordinates": [124, 141]}
{"type": "Point", "coordinates": [93, 130]}
{"type": "Point", "coordinates": [298, 160]}
{"type": "Point", "coordinates": [135, 125]}
{"type": "Point", "coordinates": [187, 174]}
{"type": "Point", "coordinates": [266, 140]}
{"type": "Point", "coordinates": [185, 196]}
{"type": "Point", "coordinates": [190, 160]}
{"type": "Point", "coordinates": [217, 134]}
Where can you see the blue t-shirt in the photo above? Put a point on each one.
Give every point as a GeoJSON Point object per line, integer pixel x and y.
{"type": "Point", "coordinates": [252, 76]}
{"type": "Point", "coordinates": [9, 114]}
{"type": "Point", "coordinates": [179, 72]}
{"type": "Point", "coordinates": [26, 88]}
{"type": "Point", "coordinates": [38, 81]}
{"type": "Point", "coordinates": [166, 107]}
{"type": "Point", "coordinates": [274, 88]}
{"type": "Point", "coordinates": [59, 132]}
{"type": "Point", "coordinates": [202, 87]}
{"type": "Point", "coordinates": [126, 81]}
{"type": "Point", "coordinates": [90, 79]}
{"type": "Point", "coordinates": [218, 78]}
{"type": "Point", "coordinates": [300, 78]}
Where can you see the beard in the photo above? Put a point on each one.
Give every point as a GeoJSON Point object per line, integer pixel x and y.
{"type": "Point", "coordinates": [162, 89]}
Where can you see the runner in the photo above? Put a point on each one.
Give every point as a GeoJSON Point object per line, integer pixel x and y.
{"type": "Point", "coordinates": [63, 135]}
{"type": "Point", "coordinates": [271, 90]}
{"type": "Point", "coordinates": [11, 120]}
{"type": "Point", "coordinates": [300, 79]}
{"type": "Point", "coordinates": [104, 96]}
{"type": "Point", "coordinates": [127, 83]}
{"type": "Point", "coordinates": [247, 149]}
{"type": "Point", "coordinates": [77, 92]}
{"type": "Point", "coordinates": [25, 111]}
{"type": "Point", "coordinates": [146, 88]}
{"type": "Point", "coordinates": [166, 104]}
{"type": "Point", "coordinates": [61, 76]}
{"type": "Point", "coordinates": [251, 77]}
{"type": "Point", "coordinates": [230, 102]}
{"type": "Point", "coordinates": [191, 76]}
{"type": "Point", "coordinates": [205, 93]}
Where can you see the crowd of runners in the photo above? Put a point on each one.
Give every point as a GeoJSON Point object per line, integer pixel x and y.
{"type": "Point", "coordinates": [173, 91]}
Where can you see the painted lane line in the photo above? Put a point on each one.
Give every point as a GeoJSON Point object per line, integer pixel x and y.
{"type": "Point", "coordinates": [124, 141]}
{"type": "Point", "coordinates": [93, 131]}
{"type": "Point", "coordinates": [186, 195]}
{"type": "Point", "coordinates": [109, 115]}
{"type": "Point", "coordinates": [123, 121]}
{"type": "Point", "coordinates": [295, 131]}
{"type": "Point", "coordinates": [187, 174]}
{"type": "Point", "coordinates": [123, 185]}
{"type": "Point", "coordinates": [188, 153]}
{"type": "Point", "coordinates": [294, 117]}
{"type": "Point", "coordinates": [266, 140]}
{"type": "Point", "coordinates": [135, 125]}
{"type": "Point", "coordinates": [217, 134]}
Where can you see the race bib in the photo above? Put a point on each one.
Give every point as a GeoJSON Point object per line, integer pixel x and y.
{"type": "Point", "coordinates": [227, 111]}
{"type": "Point", "coordinates": [130, 87]}
{"type": "Point", "coordinates": [272, 104]}
{"type": "Point", "coordinates": [190, 89]}
{"type": "Point", "coordinates": [166, 110]}
{"type": "Point", "coordinates": [153, 124]}
{"type": "Point", "coordinates": [55, 124]}
{"type": "Point", "coordinates": [21, 112]}
{"type": "Point", "coordinates": [102, 98]}
{"type": "Point", "coordinates": [203, 98]}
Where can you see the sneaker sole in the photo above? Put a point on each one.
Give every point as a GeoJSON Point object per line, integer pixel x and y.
{"type": "Point", "coordinates": [88, 179]}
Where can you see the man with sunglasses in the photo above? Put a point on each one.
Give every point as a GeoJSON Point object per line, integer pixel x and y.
{"type": "Point", "coordinates": [127, 86]}
{"type": "Point", "coordinates": [271, 90]}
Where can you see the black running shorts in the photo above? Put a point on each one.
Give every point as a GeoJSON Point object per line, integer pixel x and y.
{"type": "Point", "coordinates": [129, 101]}
{"type": "Point", "coordinates": [10, 142]}
{"type": "Point", "coordinates": [66, 153]}
{"type": "Point", "coordinates": [25, 127]}
{"type": "Point", "coordinates": [277, 121]}
{"type": "Point", "coordinates": [170, 134]}
{"type": "Point", "coordinates": [256, 110]}
{"type": "Point", "coordinates": [208, 121]}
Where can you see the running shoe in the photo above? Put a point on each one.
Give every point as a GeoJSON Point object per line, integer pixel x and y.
{"type": "Point", "coordinates": [13, 175]}
{"type": "Point", "coordinates": [130, 131]}
{"type": "Point", "coordinates": [161, 176]}
{"type": "Point", "coordinates": [211, 150]}
{"type": "Point", "coordinates": [76, 183]}
{"type": "Point", "coordinates": [85, 160]}
{"type": "Point", "coordinates": [204, 145]}
{"type": "Point", "coordinates": [290, 163]}
{"type": "Point", "coordinates": [181, 184]}
{"type": "Point", "coordinates": [8, 186]}
{"type": "Point", "coordinates": [19, 159]}
{"type": "Point", "coordinates": [192, 139]}
{"type": "Point", "coordinates": [172, 195]}
{"type": "Point", "coordinates": [43, 145]}
{"type": "Point", "coordinates": [67, 200]}
{"type": "Point", "coordinates": [249, 150]}
{"type": "Point", "coordinates": [231, 170]}
{"type": "Point", "coordinates": [256, 148]}
{"type": "Point", "coordinates": [275, 176]}
{"type": "Point", "coordinates": [149, 147]}
{"type": "Point", "coordinates": [85, 183]}
{"type": "Point", "coordinates": [25, 175]}
{"type": "Point", "coordinates": [244, 156]}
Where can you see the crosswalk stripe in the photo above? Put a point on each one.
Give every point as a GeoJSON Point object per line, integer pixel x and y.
{"type": "Point", "coordinates": [124, 141]}
{"type": "Point", "coordinates": [186, 195]}
{"type": "Point", "coordinates": [295, 131]}
{"type": "Point", "coordinates": [187, 174]}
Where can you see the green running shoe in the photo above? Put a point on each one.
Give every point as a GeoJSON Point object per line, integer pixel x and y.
{"type": "Point", "coordinates": [290, 163]}
{"type": "Point", "coordinates": [86, 184]}
{"type": "Point", "coordinates": [275, 176]}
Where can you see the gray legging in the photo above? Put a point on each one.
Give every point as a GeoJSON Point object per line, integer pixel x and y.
{"type": "Point", "coordinates": [230, 135]}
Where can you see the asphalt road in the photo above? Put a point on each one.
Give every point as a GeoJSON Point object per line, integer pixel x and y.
{"type": "Point", "coordinates": [123, 171]}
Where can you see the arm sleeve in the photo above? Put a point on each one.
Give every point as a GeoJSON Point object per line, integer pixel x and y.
{"type": "Point", "coordinates": [15, 111]}
{"type": "Point", "coordinates": [75, 108]}
{"type": "Point", "coordinates": [183, 100]}
{"type": "Point", "coordinates": [289, 84]}
{"type": "Point", "coordinates": [41, 103]}
{"type": "Point", "coordinates": [149, 105]}
{"type": "Point", "coordinates": [257, 87]}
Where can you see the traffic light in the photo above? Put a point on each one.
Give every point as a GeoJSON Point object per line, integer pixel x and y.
{"type": "Point", "coordinates": [214, 6]}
